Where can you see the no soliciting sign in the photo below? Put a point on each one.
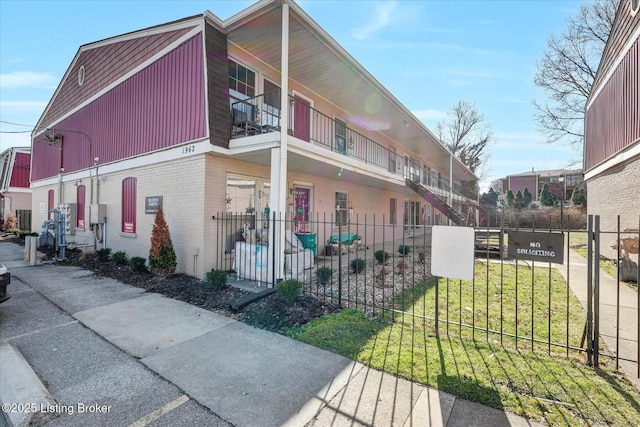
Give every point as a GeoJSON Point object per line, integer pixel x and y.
{"type": "Point", "coordinates": [546, 247]}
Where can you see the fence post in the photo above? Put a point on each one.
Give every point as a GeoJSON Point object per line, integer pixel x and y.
{"type": "Point", "coordinates": [596, 294]}
{"type": "Point", "coordinates": [437, 303]}
{"type": "Point", "coordinates": [589, 325]}
{"type": "Point", "coordinates": [339, 265]}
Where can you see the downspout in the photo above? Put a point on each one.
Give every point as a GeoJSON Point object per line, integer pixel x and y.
{"type": "Point", "coordinates": [60, 170]}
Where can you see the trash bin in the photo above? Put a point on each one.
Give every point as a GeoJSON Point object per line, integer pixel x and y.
{"type": "Point", "coordinates": [308, 241]}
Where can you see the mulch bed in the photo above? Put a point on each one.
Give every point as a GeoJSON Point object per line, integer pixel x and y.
{"type": "Point", "coordinates": [271, 313]}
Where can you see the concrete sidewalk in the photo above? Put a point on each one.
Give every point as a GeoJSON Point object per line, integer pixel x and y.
{"type": "Point", "coordinates": [625, 341]}
{"type": "Point", "coordinates": [246, 376]}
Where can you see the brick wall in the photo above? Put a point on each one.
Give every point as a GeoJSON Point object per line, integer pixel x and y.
{"type": "Point", "coordinates": [614, 193]}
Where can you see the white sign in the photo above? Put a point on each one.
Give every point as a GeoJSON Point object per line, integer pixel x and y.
{"type": "Point", "coordinates": [452, 252]}
{"type": "Point", "coordinates": [42, 207]}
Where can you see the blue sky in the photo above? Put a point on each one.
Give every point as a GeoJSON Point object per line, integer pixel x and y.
{"type": "Point", "coordinates": [429, 54]}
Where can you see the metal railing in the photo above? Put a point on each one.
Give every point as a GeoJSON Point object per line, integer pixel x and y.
{"type": "Point", "coordinates": [261, 114]}
{"type": "Point", "coordinates": [385, 270]}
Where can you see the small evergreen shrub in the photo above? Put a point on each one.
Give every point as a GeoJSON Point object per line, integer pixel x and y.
{"type": "Point", "coordinates": [288, 290]}
{"type": "Point", "coordinates": [404, 249]}
{"type": "Point", "coordinates": [164, 264]}
{"type": "Point", "coordinates": [119, 258]}
{"type": "Point", "coordinates": [357, 265]}
{"type": "Point", "coordinates": [324, 275]}
{"type": "Point", "coordinates": [162, 257]}
{"type": "Point", "coordinates": [216, 279]}
{"type": "Point", "coordinates": [137, 264]}
{"type": "Point", "coordinates": [103, 254]}
{"type": "Point", "coordinates": [381, 256]}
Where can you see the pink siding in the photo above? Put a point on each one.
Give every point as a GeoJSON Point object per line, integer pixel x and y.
{"type": "Point", "coordinates": [161, 106]}
{"type": "Point", "coordinates": [520, 183]}
{"type": "Point", "coordinates": [104, 65]}
{"type": "Point", "coordinates": [50, 203]}
{"type": "Point", "coordinates": [613, 120]}
{"type": "Point", "coordinates": [80, 205]}
{"type": "Point", "coordinates": [20, 172]}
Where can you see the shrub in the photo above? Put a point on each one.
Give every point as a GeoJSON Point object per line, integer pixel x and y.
{"type": "Point", "coordinates": [164, 264]}
{"type": "Point", "coordinates": [288, 290]}
{"type": "Point", "coordinates": [402, 266]}
{"type": "Point", "coordinates": [357, 265]}
{"type": "Point", "coordinates": [404, 249]}
{"type": "Point", "coordinates": [103, 254]}
{"type": "Point", "coordinates": [324, 275]}
{"type": "Point", "coordinates": [381, 256]}
{"type": "Point", "coordinates": [216, 279]}
{"type": "Point", "coordinates": [162, 257]}
{"type": "Point", "coordinates": [137, 264]}
{"type": "Point", "coordinates": [119, 258]}
{"type": "Point", "coordinates": [11, 222]}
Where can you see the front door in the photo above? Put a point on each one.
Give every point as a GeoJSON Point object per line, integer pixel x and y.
{"type": "Point", "coordinates": [301, 200]}
{"type": "Point", "coordinates": [301, 118]}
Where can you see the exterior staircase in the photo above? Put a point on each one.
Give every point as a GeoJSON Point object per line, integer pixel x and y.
{"type": "Point", "coordinates": [455, 216]}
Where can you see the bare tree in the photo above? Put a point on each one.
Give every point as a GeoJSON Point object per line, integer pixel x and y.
{"type": "Point", "coordinates": [467, 135]}
{"type": "Point", "coordinates": [567, 71]}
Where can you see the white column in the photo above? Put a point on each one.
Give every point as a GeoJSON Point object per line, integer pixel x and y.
{"type": "Point", "coordinates": [278, 200]}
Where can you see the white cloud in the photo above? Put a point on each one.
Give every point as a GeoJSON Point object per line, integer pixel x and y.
{"type": "Point", "coordinates": [381, 19]}
{"type": "Point", "coordinates": [27, 79]}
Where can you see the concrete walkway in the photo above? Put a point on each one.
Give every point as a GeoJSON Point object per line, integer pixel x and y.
{"type": "Point", "coordinates": [243, 375]}
{"type": "Point", "coordinates": [624, 339]}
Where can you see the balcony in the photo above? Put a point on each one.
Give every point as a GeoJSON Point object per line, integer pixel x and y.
{"type": "Point", "coordinates": [261, 114]}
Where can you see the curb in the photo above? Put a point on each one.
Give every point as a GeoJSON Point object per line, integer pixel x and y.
{"type": "Point", "coordinates": [20, 388]}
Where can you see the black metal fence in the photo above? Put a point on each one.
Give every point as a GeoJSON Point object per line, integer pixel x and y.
{"type": "Point", "coordinates": [385, 270]}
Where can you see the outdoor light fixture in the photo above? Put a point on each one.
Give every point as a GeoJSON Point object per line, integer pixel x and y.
{"type": "Point", "coordinates": [53, 138]}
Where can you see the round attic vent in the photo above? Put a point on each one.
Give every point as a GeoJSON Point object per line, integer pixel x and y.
{"type": "Point", "coordinates": [81, 74]}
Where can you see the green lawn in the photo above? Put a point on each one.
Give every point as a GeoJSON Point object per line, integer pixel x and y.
{"type": "Point", "coordinates": [545, 384]}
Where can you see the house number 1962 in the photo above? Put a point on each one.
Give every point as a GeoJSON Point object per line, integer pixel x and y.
{"type": "Point", "coordinates": [188, 149]}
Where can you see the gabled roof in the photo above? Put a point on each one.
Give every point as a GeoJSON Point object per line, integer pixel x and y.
{"type": "Point", "coordinates": [14, 168]}
{"type": "Point", "coordinates": [104, 62]}
{"type": "Point", "coordinates": [318, 62]}
{"type": "Point", "coordinates": [625, 30]}
{"type": "Point", "coordinates": [547, 173]}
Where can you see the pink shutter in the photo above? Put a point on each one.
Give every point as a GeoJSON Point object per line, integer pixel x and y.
{"type": "Point", "coordinates": [129, 205]}
{"type": "Point", "coordinates": [80, 204]}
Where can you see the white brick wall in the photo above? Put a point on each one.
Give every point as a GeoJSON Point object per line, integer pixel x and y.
{"type": "Point", "coordinates": [194, 189]}
{"type": "Point", "coordinates": [615, 192]}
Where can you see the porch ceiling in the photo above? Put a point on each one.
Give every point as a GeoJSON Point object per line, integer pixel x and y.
{"type": "Point", "coordinates": [303, 164]}
{"type": "Point", "coordinates": [320, 64]}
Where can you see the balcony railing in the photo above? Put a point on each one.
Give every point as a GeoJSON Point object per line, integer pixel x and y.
{"type": "Point", "coordinates": [261, 114]}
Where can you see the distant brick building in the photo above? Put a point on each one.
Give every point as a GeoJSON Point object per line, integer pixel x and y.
{"type": "Point", "coordinates": [560, 182]}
